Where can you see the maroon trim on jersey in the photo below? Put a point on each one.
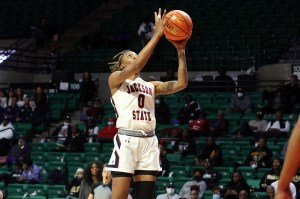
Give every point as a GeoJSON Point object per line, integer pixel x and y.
{"type": "Point", "coordinates": [114, 105]}
{"type": "Point", "coordinates": [118, 141]}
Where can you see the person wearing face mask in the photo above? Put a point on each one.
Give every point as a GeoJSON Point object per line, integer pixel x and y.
{"type": "Point", "coordinates": [109, 130]}
{"type": "Point", "coordinates": [162, 111]}
{"type": "Point", "coordinates": [197, 180]}
{"type": "Point", "coordinates": [63, 130]}
{"type": "Point", "coordinates": [240, 103]}
{"type": "Point", "coordinates": [73, 186]}
{"type": "Point", "coordinates": [217, 192]}
{"type": "Point", "coordinates": [170, 193]}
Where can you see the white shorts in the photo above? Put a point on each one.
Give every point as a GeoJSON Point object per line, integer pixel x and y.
{"type": "Point", "coordinates": [134, 153]}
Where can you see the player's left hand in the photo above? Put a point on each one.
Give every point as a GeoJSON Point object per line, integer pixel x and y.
{"type": "Point", "coordinates": [180, 44]}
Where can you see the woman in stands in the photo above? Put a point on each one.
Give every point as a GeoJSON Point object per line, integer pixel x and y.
{"type": "Point", "coordinates": [136, 152]}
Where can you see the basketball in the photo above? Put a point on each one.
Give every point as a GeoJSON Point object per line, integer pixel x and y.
{"type": "Point", "coordinates": [179, 26]}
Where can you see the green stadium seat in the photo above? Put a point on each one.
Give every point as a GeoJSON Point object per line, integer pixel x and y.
{"type": "Point", "coordinates": [247, 172]}
{"type": "Point", "coordinates": [92, 147]}
{"type": "Point", "coordinates": [225, 172]}
{"type": "Point", "coordinates": [55, 190]}
{"type": "Point", "coordinates": [180, 181]}
{"type": "Point", "coordinates": [162, 182]}
{"type": "Point", "coordinates": [40, 189]}
{"type": "Point", "coordinates": [90, 157]}
{"type": "Point", "coordinates": [174, 159]}
{"type": "Point", "coordinates": [16, 189]}
{"type": "Point", "coordinates": [180, 171]}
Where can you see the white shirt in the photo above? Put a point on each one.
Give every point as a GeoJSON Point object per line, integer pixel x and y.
{"type": "Point", "coordinates": [166, 196]}
{"type": "Point", "coordinates": [6, 131]}
{"type": "Point", "coordinates": [3, 102]}
{"type": "Point", "coordinates": [292, 188]}
{"type": "Point", "coordinates": [276, 125]}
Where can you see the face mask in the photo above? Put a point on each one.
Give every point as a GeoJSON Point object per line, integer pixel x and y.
{"type": "Point", "coordinates": [239, 94]}
{"type": "Point", "coordinates": [110, 123]}
{"type": "Point", "coordinates": [216, 196]}
{"type": "Point", "coordinates": [157, 101]}
{"type": "Point", "coordinates": [197, 178]}
{"type": "Point", "coordinates": [170, 191]}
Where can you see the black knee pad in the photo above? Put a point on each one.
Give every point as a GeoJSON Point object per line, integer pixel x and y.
{"type": "Point", "coordinates": [144, 189]}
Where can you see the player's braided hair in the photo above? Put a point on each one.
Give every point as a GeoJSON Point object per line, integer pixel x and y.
{"type": "Point", "coordinates": [115, 65]}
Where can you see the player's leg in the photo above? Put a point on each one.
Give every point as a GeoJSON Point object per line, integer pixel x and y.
{"type": "Point", "coordinates": [120, 185]}
{"type": "Point", "coordinates": [144, 184]}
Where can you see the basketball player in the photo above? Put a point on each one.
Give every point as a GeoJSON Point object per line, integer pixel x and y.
{"type": "Point", "coordinates": [136, 151]}
{"type": "Point", "coordinates": [291, 164]}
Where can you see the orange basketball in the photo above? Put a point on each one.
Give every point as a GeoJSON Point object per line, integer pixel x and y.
{"type": "Point", "coordinates": [179, 25]}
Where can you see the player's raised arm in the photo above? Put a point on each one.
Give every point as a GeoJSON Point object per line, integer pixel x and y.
{"type": "Point", "coordinates": [291, 164]}
{"type": "Point", "coordinates": [116, 78]}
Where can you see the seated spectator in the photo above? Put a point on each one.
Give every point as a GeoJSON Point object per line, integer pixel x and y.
{"type": "Point", "coordinates": [272, 175]}
{"type": "Point", "coordinates": [31, 172]}
{"type": "Point", "coordinates": [20, 96]}
{"type": "Point", "coordinates": [73, 187]}
{"type": "Point", "coordinates": [170, 193]}
{"type": "Point", "coordinates": [164, 162]}
{"type": "Point", "coordinates": [199, 126]}
{"type": "Point", "coordinates": [102, 189]}
{"type": "Point", "coordinates": [12, 111]}
{"type": "Point", "coordinates": [224, 82]}
{"type": "Point", "coordinates": [219, 126]}
{"type": "Point", "coordinates": [255, 127]}
{"type": "Point", "coordinates": [3, 194]}
{"type": "Point", "coordinates": [11, 94]}
{"type": "Point", "coordinates": [73, 143]}
{"type": "Point", "coordinates": [6, 135]}
{"type": "Point", "coordinates": [25, 112]}
{"type": "Point", "coordinates": [243, 194]}
{"type": "Point", "coordinates": [185, 144]}
{"type": "Point", "coordinates": [291, 94]}
{"type": "Point", "coordinates": [63, 130]}
{"type": "Point", "coordinates": [240, 103]}
{"type": "Point", "coordinates": [259, 156]}
{"type": "Point", "coordinates": [217, 193]}
{"type": "Point", "coordinates": [198, 181]}
{"type": "Point", "coordinates": [91, 130]}
{"type": "Point", "coordinates": [3, 98]}
{"type": "Point", "coordinates": [292, 188]}
{"type": "Point", "coordinates": [194, 192]}
{"type": "Point", "coordinates": [109, 130]}
{"type": "Point", "coordinates": [270, 191]}
{"type": "Point", "coordinates": [236, 184]}
{"type": "Point", "coordinates": [12, 177]}
{"type": "Point", "coordinates": [189, 111]}
{"type": "Point", "coordinates": [96, 111]}
{"type": "Point", "coordinates": [210, 176]}
{"type": "Point", "coordinates": [278, 127]}
{"type": "Point", "coordinates": [162, 111]}
{"type": "Point", "coordinates": [211, 151]}
{"type": "Point", "coordinates": [41, 106]}
{"type": "Point", "coordinates": [19, 151]}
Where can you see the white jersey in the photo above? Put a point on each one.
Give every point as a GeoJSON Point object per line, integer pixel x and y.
{"type": "Point", "coordinates": [134, 105]}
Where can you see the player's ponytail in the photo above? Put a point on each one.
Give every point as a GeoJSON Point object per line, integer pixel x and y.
{"type": "Point", "coordinates": [115, 65]}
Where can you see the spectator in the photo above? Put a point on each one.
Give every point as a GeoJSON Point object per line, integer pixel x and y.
{"type": "Point", "coordinates": [20, 97]}
{"type": "Point", "coordinates": [170, 76]}
{"type": "Point", "coordinates": [189, 111]}
{"type": "Point", "coordinates": [243, 194]}
{"type": "Point", "coordinates": [170, 193]}
{"type": "Point", "coordinates": [291, 94]}
{"type": "Point", "coordinates": [259, 156]}
{"type": "Point", "coordinates": [102, 189]}
{"type": "Point", "coordinates": [164, 162]}
{"type": "Point", "coordinates": [12, 177]}
{"type": "Point", "coordinates": [3, 194]}
{"type": "Point", "coordinates": [162, 111]}
{"type": "Point", "coordinates": [73, 187]}
{"type": "Point", "coordinates": [271, 175]}
{"type": "Point", "coordinates": [31, 172]}
{"type": "Point", "coordinates": [199, 126]}
{"type": "Point", "coordinates": [197, 180]}
{"type": "Point", "coordinates": [96, 111]}
{"type": "Point", "coordinates": [270, 191]}
{"type": "Point", "coordinates": [6, 135]}
{"type": "Point", "coordinates": [278, 127]}
{"type": "Point", "coordinates": [236, 184]}
{"type": "Point", "coordinates": [91, 176]}
{"type": "Point", "coordinates": [109, 130]}
{"type": "Point", "coordinates": [91, 130]}
{"type": "Point", "coordinates": [73, 143]}
{"type": "Point", "coordinates": [296, 182]}
{"type": "Point", "coordinates": [217, 193]}
{"type": "Point", "coordinates": [146, 30]}
{"type": "Point", "coordinates": [11, 94]}
{"type": "Point", "coordinates": [292, 188]}
{"type": "Point", "coordinates": [240, 103]}
{"type": "Point", "coordinates": [12, 111]}
{"type": "Point", "coordinates": [194, 193]}
{"type": "Point", "coordinates": [211, 151]}
{"type": "Point", "coordinates": [63, 130]}
{"type": "Point", "coordinates": [210, 176]}
{"type": "Point", "coordinates": [185, 144]}
{"type": "Point", "coordinates": [255, 127]}
{"type": "Point", "coordinates": [41, 106]}
{"type": "Point", "coordinates": [25, 111]}
{"type": "Point", "coordinates": [87, 89]}
{"type": "Point", "coordinates": [3, 98]}
{"type": "Point", "coordinates": [19, 151]}
{"type": "Point", "coordinates": [219, 126]}
{"type": "Point", "coordinates": [224, 82]}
